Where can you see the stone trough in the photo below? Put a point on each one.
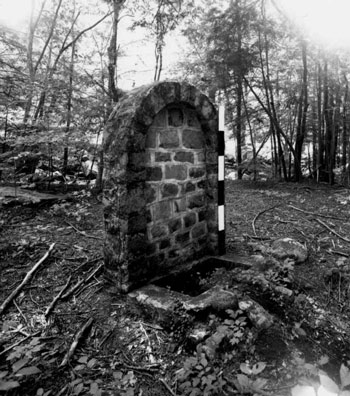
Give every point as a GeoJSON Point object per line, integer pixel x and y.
{"type": "Point", "coordinates": [160, 194]}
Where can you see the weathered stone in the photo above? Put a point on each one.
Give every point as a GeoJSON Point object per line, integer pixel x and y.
{"type": "Point", "coordinates": [200, 156]}
{"type": "Point", "coordinates": [151, 193]}
{"type": "Point", "coordinates": [190, 219]}
{"type": "Point", "coordinates": [259, 317]}
{"type": "Point", "coordinates": [184, 156]}
{"type": "Point", "coordinates": [189, 187]}
{"type": "Point", "coordinates": [162, 157]}
{"type": "Point", "coordinates": [175, 117]}
{"type": "Point", "coordinates": [162, 210]}
{"type": "Point", "coordinates": [175, 225]}
{"type": "Point", "coordinates": [288, 248]}
{"type": "Point", "coordinates": [159, 231]}
{"type": "Point", "coordinates": [169, 138]}
{"type": "Point", "coordinates": [154, 173]}
{"type": "Point", "coordinates": [180, 205]}
{"type": "Point", "coordinates": [192, 119]}
{"type": "Point", "coordinates": [160, 119]}
{"type": "Point", "coordinates": [196, 201]}
{"type": "Point", "coordinates": [151, 138]}
{"type": "Point", "coordinates": [178, 172]}
{"type": "Point", "coordinates": [183, 237]}
{"type": "Point", "coordinates": [170, 190]}
{"type": "Point", "coordinates": [164, 244]}
{"type": "Point", "coordinates": [198, 230]}
{"type": "Point", "coordinates": [193, 138]}
{"type": "Point", "coordinates": [215, 299]}
{"type": "Point", "coordinates": [195, 173]}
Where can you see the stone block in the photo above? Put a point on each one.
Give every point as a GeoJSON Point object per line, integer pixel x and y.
{"type": "Point", "coordinates": [193, 138]}
{"type": "Point", "coordinates": [188, 187]}
{"type": "Point", "coordinates": [151, 193]}
{"type": "Point", "coordinates": [198, 230]}
{"type": "Point", "coordinates": [190, 219]}
{"type": "Point", "coordinates": [159, 231]}
{"type": "Point", "coordinates": [184, 156]}
{"type": "Point", "coordinates": [169, 190]}
{"type": "Point", "coordinates": [175, 225]}
{"type": "Point", "coordinates": [183, 237]}
{"type": "Point", "coordinates": [178, 172]}
{"type": "Point", "coordinates": [164, 244]}
{"type": "Point", "coordinates": [162, 157]}
{"type": "Point", "coordinates": [196, 201]}
{"type": "Point", "coordinates": [201, 185]}
{"type": "Point", "coordinates": [162, 210]}
{"type": "Point", "coordinates": [197, 172]}
{"type": "Point", "coordinates": [160, 119]}
{"type": "Point", "coordinates": [154, 173]}
{"type": "Point", "coordinates": [169, 138]}
{"type": "Point", "coordinates": [175, 117]}
{"type": "Point", "coordinates": [180, 205]}
{"type": "Point", "coordinates": [202, 215]}
{"type": "Point", "coordinates": [200, 156]}
{"type": "Point", "coordinates": [192, 119]}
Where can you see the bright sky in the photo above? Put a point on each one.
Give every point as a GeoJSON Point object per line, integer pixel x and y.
{"type": "Point", "coordinates": [327, 21]}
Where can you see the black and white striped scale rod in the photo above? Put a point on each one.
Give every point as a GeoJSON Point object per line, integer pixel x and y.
{"type": "Point", "coordinates": [221, 182]}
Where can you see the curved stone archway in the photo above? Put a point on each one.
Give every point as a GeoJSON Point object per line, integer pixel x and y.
{"type": "Point", "coordinates": [160, 182]}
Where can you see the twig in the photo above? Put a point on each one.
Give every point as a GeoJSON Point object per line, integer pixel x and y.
{"type": "Point", "coordinates": [26, 280]}
{"type": "Point", "coordinates": [81, 282]}
{"type": "Point", "coordinates": [88, 262]}
{"type": "Point", "coordinates": [83, 232]}
{"type": "Point", "coordinates": [339, 253]}
{"type": "Point", "coordinates": [258, 215]}
{"type": "Point", "coordinates": [75, 342]}
{"type": "Point", "coordinates": [19, 342]}
{"type": "Point", "coordinates": [58, 296]}
{"type": "Point", "coordinates": [314, 214]}
{"type": "Point", "coordinates": [20, 311]}
{"type": "Point", "coordinates": [167, 387]}
{"type": "Point", "coordinates": [332, 231]}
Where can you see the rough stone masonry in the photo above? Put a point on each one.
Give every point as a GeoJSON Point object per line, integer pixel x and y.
{"type": "Point", "coordinates": [160, 183]}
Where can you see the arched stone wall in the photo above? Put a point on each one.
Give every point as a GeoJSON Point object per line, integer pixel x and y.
{"type": "Point", "coordinates": [160, 182]}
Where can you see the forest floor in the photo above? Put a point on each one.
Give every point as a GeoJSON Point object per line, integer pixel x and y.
{"type": "Point", "coordinates": [123, 348]}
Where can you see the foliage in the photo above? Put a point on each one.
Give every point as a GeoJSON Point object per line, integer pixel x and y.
{"type": "Point", "coordinates": [22, 364]}
{"type": "Point", "coordinates": [199, 377]}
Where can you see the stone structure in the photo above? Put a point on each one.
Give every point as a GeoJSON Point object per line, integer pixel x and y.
{"type": "Point", "coordinates": [160, 176]}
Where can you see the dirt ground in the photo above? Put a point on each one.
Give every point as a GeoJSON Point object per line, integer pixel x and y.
{"type": "Point", "coordinates": [123, 348]}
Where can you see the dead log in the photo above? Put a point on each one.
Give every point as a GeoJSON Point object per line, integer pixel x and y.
{"type": "Point", "coordinates": [25, 281]}
{"type": "Point", "coordinates": [77, 338]}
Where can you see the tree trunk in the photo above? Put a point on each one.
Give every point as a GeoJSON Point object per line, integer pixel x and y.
{"type": "Point", "coordinates": [302, 114]}
{"type": "Point", "coordinates": [69, 110]}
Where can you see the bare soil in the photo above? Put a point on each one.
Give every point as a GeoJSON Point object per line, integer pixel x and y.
{"type": "Point", "coordinates": [128, 349]}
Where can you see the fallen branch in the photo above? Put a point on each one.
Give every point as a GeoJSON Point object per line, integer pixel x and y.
{"type": "Point", "coordinates": [258, 215]}
{"type": "Point", "coordinates": [77, 338]}
{"type": "Point", "coordinates": [83, 232]}
{"type": "Point", "coordinates": [332, 231]}
{"type": "Point", "coordinates": [26, 280]}
{"type": "Point", "coordinates": [55, 300]}
{"type": "Point", "coordinates": [314, 214]}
